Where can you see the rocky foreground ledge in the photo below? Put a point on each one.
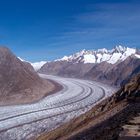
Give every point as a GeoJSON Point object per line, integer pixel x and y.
{"type": "Point", "coordinates": [106, 120]}
{"type": "Point", "coordinates": [131, 129]}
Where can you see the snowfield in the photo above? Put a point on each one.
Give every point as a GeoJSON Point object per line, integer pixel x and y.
{"type": "Point", "coordinates": [116, 55]}
{"type": "Point", "coordinates": [76, 97]}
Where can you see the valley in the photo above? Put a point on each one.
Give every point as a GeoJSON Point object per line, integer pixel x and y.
{"type": "Point", "coordinates": [76, 98]}
{"type": "Point", "coordinates": [52, 97]}
{"type": "Point", "coordinates": [70, 70]}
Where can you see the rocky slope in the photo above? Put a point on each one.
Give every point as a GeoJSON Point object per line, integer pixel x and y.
{"type": "Point", "coordinates": [131, 129]}
{"type": "Point", "coordinates": [116, 74]}
{"type": "Point", "coordinates": [66, 69]}
{"type": "Point", "coordinates": [19, 83]}
{"type": "Point", "coordinates": [113, 67]}
{"type": "Point", "coordinates": [103, 121]}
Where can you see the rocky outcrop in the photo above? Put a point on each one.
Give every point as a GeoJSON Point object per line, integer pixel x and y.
{"type": "Point", "coordinates": [130, 91]}
{"type": "Point", "coordinates": [19, 83]}
{"type": "Point", "coordinates": [131, 129]}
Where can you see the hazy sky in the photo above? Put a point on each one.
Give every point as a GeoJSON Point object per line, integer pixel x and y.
{"type": "Point", "coordinates": [48, 29]}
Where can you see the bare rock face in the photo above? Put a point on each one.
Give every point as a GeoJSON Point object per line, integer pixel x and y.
{"type": "Point", "coordinates": [131, 90]}
{"type": "Point", "coordinates": [19, 83]}
{"type": "Point", "coordinates": [98, 72]}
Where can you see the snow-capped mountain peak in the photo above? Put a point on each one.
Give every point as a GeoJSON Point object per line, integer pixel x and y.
{"type": "Point", "coordinates": [117, 54]}
{"type": "Point", "coordinates": [119, 49]}
{"type": "Point", "coordinates": [36, 65]}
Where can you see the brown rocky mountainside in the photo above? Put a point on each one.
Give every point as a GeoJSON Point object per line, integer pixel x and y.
{"type": "Point", "coordinates": [19, 83]}
{"type": "Point", "coordinates": [130, 91]}
{"type": "Point", "coordinates": [66, 69]}
{"type": "Point", "coordinates": [106, 120]}
{"type": "Point", "coordinates": [114, 74]}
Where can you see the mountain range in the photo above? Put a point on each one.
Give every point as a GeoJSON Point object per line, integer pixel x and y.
{"type": "Point", "coordinates": [112, 67]}
{"type": "Point", "coordinates": [117, 54]}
